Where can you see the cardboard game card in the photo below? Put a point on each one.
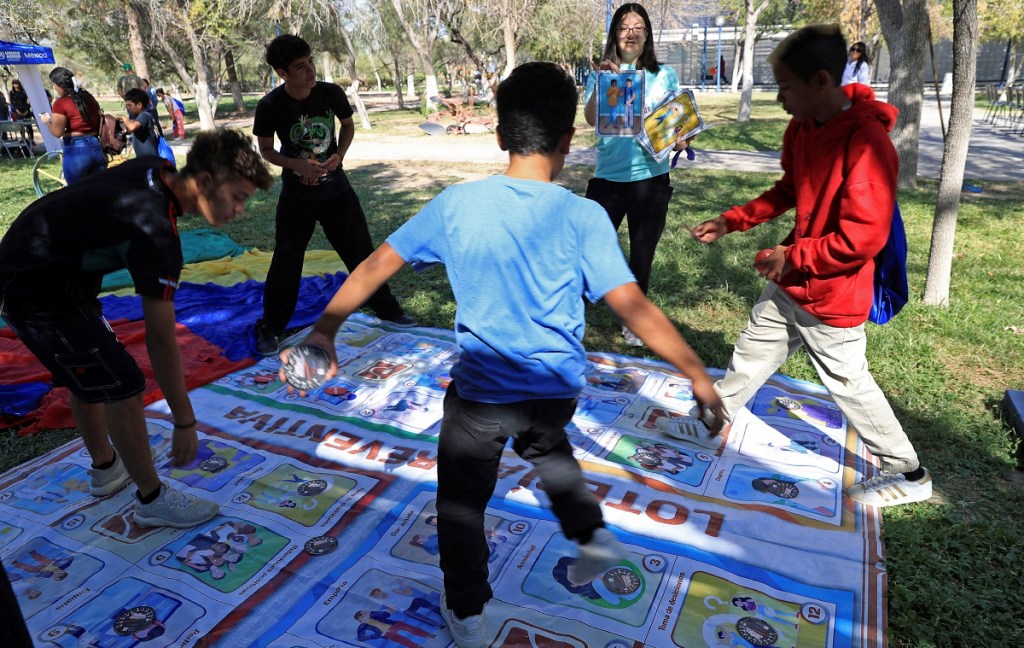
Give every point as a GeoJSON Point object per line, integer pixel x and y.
{"type": "Point", "coordinates": [676, 117]}
{"type": "Point", "coordinates": [620, 103]}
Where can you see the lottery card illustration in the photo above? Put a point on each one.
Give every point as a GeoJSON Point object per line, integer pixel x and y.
{"type": "Point", "coordinates": [674, 119]}
{"type": "Point", "coordinates": [620, 103]}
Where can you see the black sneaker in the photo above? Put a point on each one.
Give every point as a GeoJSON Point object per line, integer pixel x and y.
{"type": "Point", "coordinates": [267, 340]}
{"type": "Point", "coordinates": [402, 320]}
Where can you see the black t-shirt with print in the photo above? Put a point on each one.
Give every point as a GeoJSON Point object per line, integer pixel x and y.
{"type": "Point", "coordinates": [306, 129]}
{"type": "Point", "coordinates": [54, 256]}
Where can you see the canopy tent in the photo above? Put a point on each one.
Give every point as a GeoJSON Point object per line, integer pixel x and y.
{"type": "Point", "coordinates": [28, 57]}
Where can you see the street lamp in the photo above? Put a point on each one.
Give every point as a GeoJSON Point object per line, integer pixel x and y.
{"type": "Point", "coordinates": [704, 57]}
{"type": "Point", "coordinates": [720, 20]}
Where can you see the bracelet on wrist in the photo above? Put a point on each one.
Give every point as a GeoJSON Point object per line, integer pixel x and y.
{"type": "Point", "coordinates": [186, 426]}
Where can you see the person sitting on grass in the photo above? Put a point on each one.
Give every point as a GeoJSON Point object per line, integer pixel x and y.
{"type": "Point", "coordinates": [839, 173]}
{"type": "Point", "coordinates": [519, 251]}
{"type": "Point", "coordinates": [52, 262]}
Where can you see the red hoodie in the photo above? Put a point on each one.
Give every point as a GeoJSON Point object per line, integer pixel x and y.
{"type": "Point", "coordinates": [841, 178]}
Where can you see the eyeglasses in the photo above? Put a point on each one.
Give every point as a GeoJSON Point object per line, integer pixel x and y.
{"type": "Point", "coordinates": [639, 31]}
{"type": "Point", "coordinates": [856, 49]}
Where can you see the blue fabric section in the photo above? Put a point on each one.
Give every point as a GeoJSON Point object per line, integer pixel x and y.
{"type": "Point", "coordinates": [519, 255]}
{"type": "Point", "coordinates": [197, 245]}
{"type": "Point", "coordinates": [225, 315]}
{"type": "Point", "coordinates": [622, 159]}
{"type": "Point", "coordinates": [18, 400]}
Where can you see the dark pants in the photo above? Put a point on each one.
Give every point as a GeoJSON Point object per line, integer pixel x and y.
{"type": "Point", "coordinates": [13, 632]}
{"type": "Point", "coordinates": [345, 227]}
{"type": "Point", "coordinates": [473, 436]}
{"type": "Point", "coordinates": [644, 205]}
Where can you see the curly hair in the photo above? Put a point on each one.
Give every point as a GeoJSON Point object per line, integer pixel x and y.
{"type": "Point", "coordinates": [227, 155]}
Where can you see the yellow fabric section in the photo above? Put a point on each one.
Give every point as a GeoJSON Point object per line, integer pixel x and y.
{"type": "Point", "coordinates": [252, 264]}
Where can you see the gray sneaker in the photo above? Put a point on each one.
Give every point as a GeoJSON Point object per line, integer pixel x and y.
{"type": "Point", "coordinates": [106, 481]}
{"type": "Point", "coordinates": [470, 632]}
{"type": "Point", "coordinates": [631, 338]}
{"type": "Point", "coordinates": [596, 557]}
{"type": "Point", "coordinates": [173, 508]}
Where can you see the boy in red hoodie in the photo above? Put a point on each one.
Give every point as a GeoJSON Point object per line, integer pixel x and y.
{"type": "Point", "coordinates": [840, 172]}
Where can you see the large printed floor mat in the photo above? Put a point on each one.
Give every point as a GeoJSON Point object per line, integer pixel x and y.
{"type": "Point", "coordinates": [327, 531]}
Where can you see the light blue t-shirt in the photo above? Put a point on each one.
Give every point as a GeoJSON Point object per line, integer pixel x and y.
{"type": "Point", "coordinates": [519, 255]}
{"type": "Point", "coordinates": [622, 159]}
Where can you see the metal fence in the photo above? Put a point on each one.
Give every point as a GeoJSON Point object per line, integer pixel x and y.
{"type": "Point", "coordinates": [688, 59]}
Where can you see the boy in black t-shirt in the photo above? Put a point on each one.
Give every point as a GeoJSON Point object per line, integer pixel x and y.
{"type": "Point", "coordinates": [140, 123]}
{"type": "Point", "coordinates": [52, 262]}
{"type": "Point", "coordinates": [314, 187]}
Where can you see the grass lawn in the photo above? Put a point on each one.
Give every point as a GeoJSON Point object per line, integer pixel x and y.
{"type": "Point", "coordinates": [955, 564]}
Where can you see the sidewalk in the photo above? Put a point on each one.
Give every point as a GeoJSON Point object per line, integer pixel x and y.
{"type": "Point", "coordinates": [994, 154]}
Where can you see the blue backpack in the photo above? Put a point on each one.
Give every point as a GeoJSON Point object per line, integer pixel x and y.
{"type": "Point", "coordinates": [891, 290]}
{"type": "Point", "coordinates": [179, 105]}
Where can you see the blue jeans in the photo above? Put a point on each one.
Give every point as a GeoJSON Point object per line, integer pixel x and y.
{"type": "Point", "coordinates": [83, 156]}
{"type": "Point", "coordinates": [473, 437]}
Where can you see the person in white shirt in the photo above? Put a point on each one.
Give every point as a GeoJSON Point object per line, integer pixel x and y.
{"type": "Point", "coordinates": [857, 69]}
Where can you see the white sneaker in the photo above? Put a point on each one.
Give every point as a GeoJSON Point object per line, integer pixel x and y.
{"type": "Point", "coordinates": [630, 338]}
{"type": "Point", "coordinates": [891, 489]}
{"type": "Point", "coordinates": [172, 508]}
{"type": "Point", "coordinates": [596, 557]}
{"type": "Point", "coordinates": [470, 632]}
{"type": "Point", "coordinates": [106, 481]}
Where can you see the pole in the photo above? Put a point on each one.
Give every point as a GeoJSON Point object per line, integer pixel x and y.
{"type": "Point", "coordinates": [607, 17]}
{"type": "Point", "coordinates": [718, 65]}
{"type": "Point", "coordinates": [704, 57]}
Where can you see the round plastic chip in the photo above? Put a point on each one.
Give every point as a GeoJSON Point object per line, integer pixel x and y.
{"type": "Point", "coordinates": [307, 367]}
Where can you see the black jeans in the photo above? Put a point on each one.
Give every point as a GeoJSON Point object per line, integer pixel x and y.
{"type": "Point", "coordinates": [644, 204]}
{"type": "Point", "coordinates": [473, 436]}
{"type": "Point", "coordinates": [345, 227]}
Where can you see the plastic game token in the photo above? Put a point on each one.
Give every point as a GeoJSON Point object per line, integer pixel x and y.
{"type": "Point", "coordinates": [788, 403]}
{"type": "Point", "coordinates": [757, 631]}
{"type": "Point", "coordinates": [321, 545]}
{"type": "Point", "coordinates": [312, 487]}
{"type": "Point", "coordinates": [307, 367]}
{"type": "Point", "coordinates": [762, 255]}
{"type": "Point", "coordinates": [134, 619]}
{"type": "Point", "coordinates": [213, 464]}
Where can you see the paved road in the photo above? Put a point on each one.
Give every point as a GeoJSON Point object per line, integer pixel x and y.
{"type": "Point", "coordinates": [994, 154]}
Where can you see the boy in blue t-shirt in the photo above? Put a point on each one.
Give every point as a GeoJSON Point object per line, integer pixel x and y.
{"type": "Point", "coordinates": [519, 251]}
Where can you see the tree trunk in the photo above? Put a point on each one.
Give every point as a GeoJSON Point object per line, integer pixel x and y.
{"type": "Point", "coordinates": [424, 48]}
{"type": "Point", "coordinates": [398, 85]}
{"type": "Point", "coordinates": [325, 64]}
{"type": "Point", "coordinates": [236, 87]}
{"type": "Point", "coordinates": [905, 27]}
{"type": "Point", "coordinates": [749, 29]}
{"type": "Point", "coordinates": [954, 152]}
{"type": "Point", "coordinates": [508, 32]}
{"type": "Point", "coordinates": [135, 43]}
{"type": "Point", "coordinates": [364, 118]}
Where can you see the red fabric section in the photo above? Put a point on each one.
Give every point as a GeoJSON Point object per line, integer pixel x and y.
{"type": "Point", "coordinates": [202, 363]}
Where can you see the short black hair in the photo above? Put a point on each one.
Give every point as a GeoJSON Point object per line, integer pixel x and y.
{"type": "Point", "coordinates": [227, 155]}
{"type": "Point", "coordinates": [813, 48]}
{"type": "Point", "coordinates": [536, 108]}
{"type": "Point", "coordinates": [284, 49]}
{"type": "Point", "coordinates": [137, 95]}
